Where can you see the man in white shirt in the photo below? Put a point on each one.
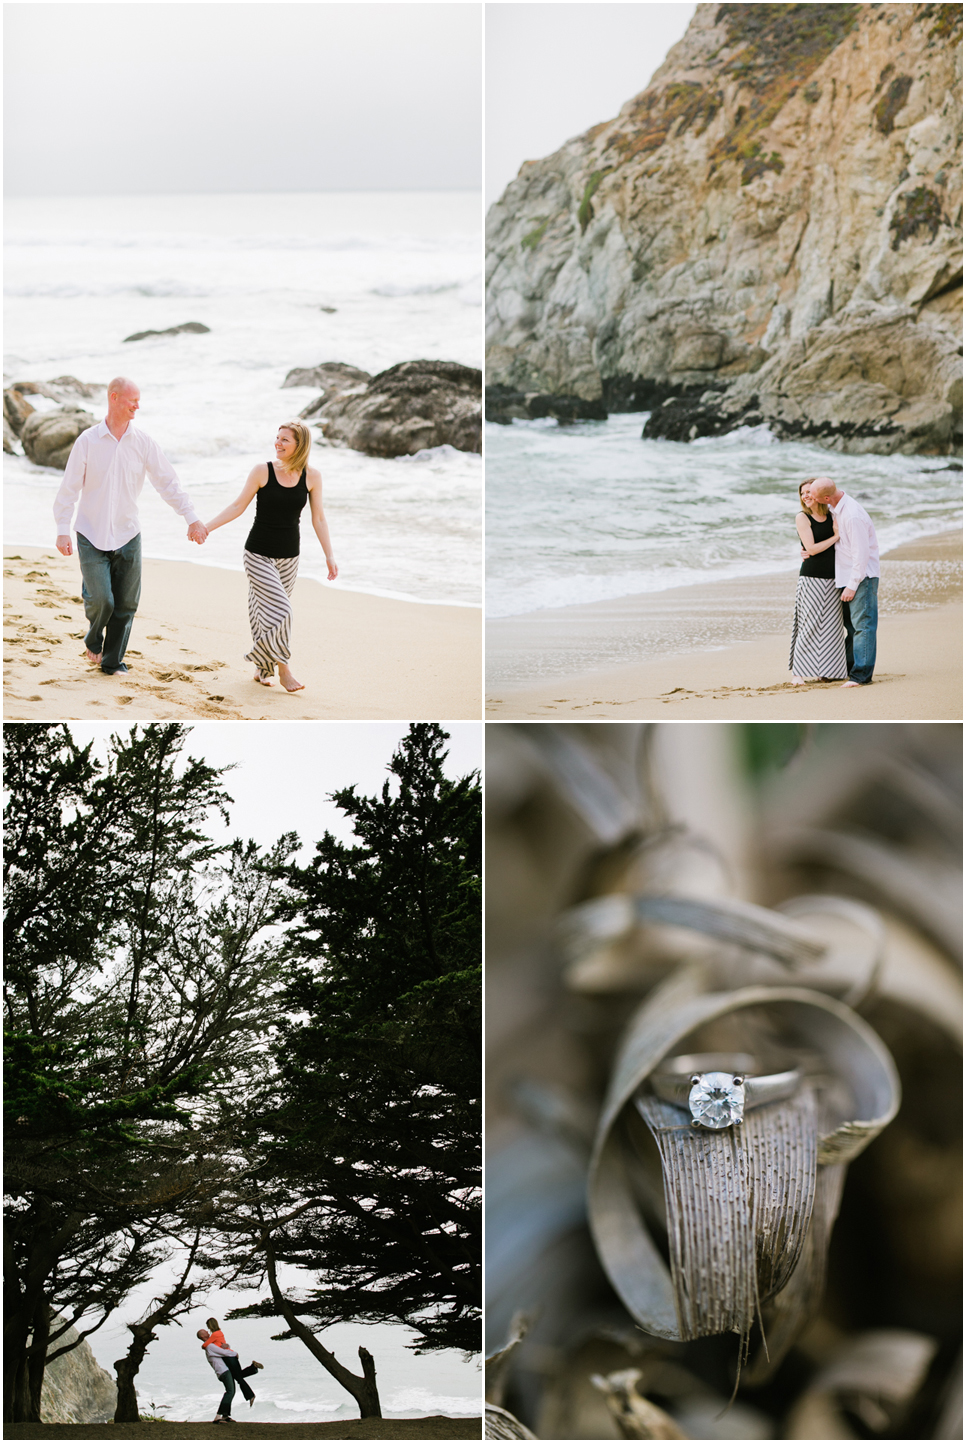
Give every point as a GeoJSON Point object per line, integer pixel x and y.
{"type": "Point", "coordinates": [106, 470]}
{"type": "Point", "coordinates": [218, 1359]}
{"type": "Point", "coordinates": [856, 577]}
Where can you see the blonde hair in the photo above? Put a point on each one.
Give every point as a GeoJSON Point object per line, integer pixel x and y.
{"type": "Point", "coordinates": [303, 444]}
{"type": "Point", "coordinates": [801, 486]}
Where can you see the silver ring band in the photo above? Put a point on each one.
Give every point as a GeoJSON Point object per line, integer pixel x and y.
{"type": "Point", "coordinates": [717, 1087]}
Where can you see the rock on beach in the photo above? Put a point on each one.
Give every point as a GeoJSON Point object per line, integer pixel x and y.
{"type": "Point", "coordinates": [48, 436]}
{"type": "Point", "coordinates": [408, 408]}
{"type": "Point", "coordinates": [194, 328]}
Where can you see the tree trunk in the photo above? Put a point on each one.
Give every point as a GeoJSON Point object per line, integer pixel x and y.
{"type": "Point", "coordinates": [37, 1357]}
{"type": "Point", "coordinates": [364, 1389]}
{"type": "Point", "coordinates": [126, 1369]}
{"type": "Point", "coordinates": [372, 1408]}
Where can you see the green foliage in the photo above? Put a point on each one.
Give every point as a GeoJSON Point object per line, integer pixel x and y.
{"type": "Point", "coordinates": [756, 164]}
{"type": "Point", "coordinates": [915, 210]}
{"type": "Point", "coordinates": [533, 239]}
{"type": "Point", "coordinates": [378, 1131]}
{"type": "Point", "coordinates": [778, 48]}
{"type": "Point", "coordinates": [768, 747]}
{"type": "Point", "coordinates": [658, 112]}
{"type": "Point", "coordinates": [892, 102]}
{"type": "Point", "coordinates": [585, 212]}
{"type": "Point", "coordinates": [139, 973]}
{"type": "Point", "coordinates": [947, 20]}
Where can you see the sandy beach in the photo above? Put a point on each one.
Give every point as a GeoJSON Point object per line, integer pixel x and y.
{"type": "Point", "coordinates": [435, 1427]}
{"type": "Point", "coordinates": [360, 656]}
{"type": "Point", "coordinates": [720, 652]}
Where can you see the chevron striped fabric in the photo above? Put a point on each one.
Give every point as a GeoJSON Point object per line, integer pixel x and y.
{"type": "Point", "coordinates": [818, 631]}
{"type": "Point", "coordinates": [271, 581]}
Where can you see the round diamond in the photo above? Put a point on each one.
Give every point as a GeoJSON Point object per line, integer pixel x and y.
{"type": "Point", "coordinates": [716, 1100]}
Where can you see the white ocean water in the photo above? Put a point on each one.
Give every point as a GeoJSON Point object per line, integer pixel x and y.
{"type": "Point", "coordinates": [402, 273]}
{"type": "Point", "coordinates": [591, 512]}
{"type": "Point", "coordinates": [176, 1382]}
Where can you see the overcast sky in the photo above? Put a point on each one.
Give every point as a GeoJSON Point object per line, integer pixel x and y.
{"type": "Point", "coordinates": [287, 769]}
{"type": "Point", "coordinates": [554, 70]}
{"type": "Point", "coordinates": [196, 97]}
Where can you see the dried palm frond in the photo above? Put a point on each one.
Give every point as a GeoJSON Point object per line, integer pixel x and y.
{"type": "Point", "coordinates": [498, 1423]}
{"type": "Point", "coordinates": [725, 1205]}
{"type": "Point", "coordinates": [635, 1415]}
{"type": "Point", "coordinates": [873, 1376]}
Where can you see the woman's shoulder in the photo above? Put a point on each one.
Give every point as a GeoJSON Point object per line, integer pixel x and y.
{"type": "Point", "coordinates": [312, 476]}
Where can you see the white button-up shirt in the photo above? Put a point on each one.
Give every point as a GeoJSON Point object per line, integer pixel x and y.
{"type": "Point", "coordinates": [857, 550]}
{"type": "Point", "coordinates": [216, 1356]}
{"type": "Point", "coordinates": [108, 476]}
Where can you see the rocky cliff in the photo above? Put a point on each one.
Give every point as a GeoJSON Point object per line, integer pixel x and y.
{"type": "Point", "coordinates": [76, 1388]}
{"type": "Point", "coordinates": [772, 231]}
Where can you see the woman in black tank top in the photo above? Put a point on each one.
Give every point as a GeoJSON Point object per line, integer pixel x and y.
{"type": "Point", "coordinates": [818, 628]}
{"type": "Point", "coordinates": [271, 555]}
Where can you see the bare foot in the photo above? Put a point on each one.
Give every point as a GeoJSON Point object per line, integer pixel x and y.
{"type": "Point", "coordinates": [288, 680]}
{"type": "Point", "coordinates": [798, 681]}
{"type": "Point", "coordinates": [264, 680]}
{"type": "Point", "coordinates": [93, 657]}
{"type": "Point", "coordinates": [849, 683]}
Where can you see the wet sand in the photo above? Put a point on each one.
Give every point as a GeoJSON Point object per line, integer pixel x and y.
{"type": "Point", "coordinates": [720, 652]}
{"type": "Point", "coordinates": [359, 656]}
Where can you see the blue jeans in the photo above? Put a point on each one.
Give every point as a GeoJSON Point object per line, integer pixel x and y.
{"type": "Point", "coordinates": [111, 592]}
{"type": "Point", "coordinates": [861, 616]}
{"type": "Point", "coordinates": [235, 1372]}
{"type": "Point", "coordinates": [224, 1407]}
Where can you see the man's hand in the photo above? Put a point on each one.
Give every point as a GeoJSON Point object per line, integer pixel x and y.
{"type": "Point", "coordinates": [804, 554]}
{"type": "Point", "coordinates": [847, 595]}
{"type": "Point", "coordinates": [198, 531]}
{"type": "Point", "coordinates": [64, 546]}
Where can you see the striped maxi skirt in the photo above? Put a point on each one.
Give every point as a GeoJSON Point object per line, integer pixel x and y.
{"type": "Point", "coordinates": [271, 581]}
{"type": "Point", "coordinates": [818, 631]}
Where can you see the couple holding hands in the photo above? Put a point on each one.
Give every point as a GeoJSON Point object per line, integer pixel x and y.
{"type": "Point", "coordinates": [105, 473]}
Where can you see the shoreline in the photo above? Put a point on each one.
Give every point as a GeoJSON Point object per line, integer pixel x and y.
{"type": "Point", "coordinates": [719, 651]}
{"type": "Point", "coordinates": [360, 656]}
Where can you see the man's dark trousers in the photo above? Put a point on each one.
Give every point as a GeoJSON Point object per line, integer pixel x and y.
{"type": "Point", "coordinates": [861, 617]}
{"type": "Point", "coordinates": [111, 592]}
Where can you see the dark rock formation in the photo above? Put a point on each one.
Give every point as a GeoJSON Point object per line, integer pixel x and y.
{"type": "Point", "coordinates": [194, 328]}
{"type": "Point", "coordinates": [409, 407]}
{"type": "Point", "coordinates": [785, 195]}
{"type": "Point", "coordinates": [9, 438]}
{"type": "Point", "coordinates": [877, 380]}
{"type": "Point", "coordinates": [48, 436]}
{"type": "Point", "coordinates": [504, 405]}
{"type": "Point", "coordinates": [76, 1389]}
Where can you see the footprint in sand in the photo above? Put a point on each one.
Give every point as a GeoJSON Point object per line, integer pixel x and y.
{"type": "Point", "coordinates": [170, 676]}
{"type": "Point", "coordinates": [155, 638]}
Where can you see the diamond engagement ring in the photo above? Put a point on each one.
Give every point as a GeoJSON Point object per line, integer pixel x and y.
{"type": "Point", "coordinates": [718, 1086]}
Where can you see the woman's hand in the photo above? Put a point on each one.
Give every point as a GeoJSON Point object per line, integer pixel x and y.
{"type": "Point", "coordinates": [333, 569]}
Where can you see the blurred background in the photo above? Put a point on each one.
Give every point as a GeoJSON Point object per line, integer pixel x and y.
{"type": "Point", "coordinates": [757, 814]}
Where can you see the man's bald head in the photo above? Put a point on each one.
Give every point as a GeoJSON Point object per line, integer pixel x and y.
{"type": "Point", "coordinates": [823, 489]}
{"type": "Point", "coordinates": [120, 385]}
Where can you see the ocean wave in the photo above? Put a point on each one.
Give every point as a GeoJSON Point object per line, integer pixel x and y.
{"type": "Point", "coordinates": [392, 291]}
{"type": "Point", "coordinates": [445, 452]}
{"type": "Point", "coordinates": [419, 1400]}
{"type": "Point", "coordinates": [179, 241]}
